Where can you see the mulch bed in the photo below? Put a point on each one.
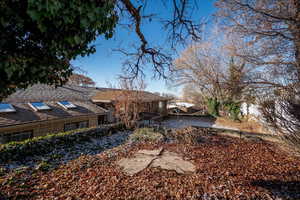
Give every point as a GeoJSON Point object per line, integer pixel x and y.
{"type": "Point", "coordinates": [227, 168]}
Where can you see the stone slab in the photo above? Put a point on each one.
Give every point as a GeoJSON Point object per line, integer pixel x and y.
{"type": "Point", "coordinates": [134, 165]}
{"type": "Point", "coordinates": [155, 152]}
{"type": "Point", "coordinates": [156, 158]}
{"type": "Point", "coordinates": [172, 161]}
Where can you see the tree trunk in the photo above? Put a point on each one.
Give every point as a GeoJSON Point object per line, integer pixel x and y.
{"type": "Point", "coordinates": [297, 36]}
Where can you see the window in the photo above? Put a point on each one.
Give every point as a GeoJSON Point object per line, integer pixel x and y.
{"type": "Point", "coordinates": [76, 125]}
{"type": "Point", "coordinates": [6, 108]}
{"type": "Point", "coordinates": [84, 124]}
{"type": "Point", "coordinates": [161, 104]}
{"type": "Point", "coordinates": [66, 104]}
{"type": "Point", "coordinates": [101, 119]}
{"type": "Point", "coordinates": [17, 136]}
{"type": "Point", "coordinates": [36, 106]}
{"type": "Point", "coordinates": [71, 126]}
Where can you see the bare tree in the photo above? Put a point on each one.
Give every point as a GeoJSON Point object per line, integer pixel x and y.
{"type": "Point", "coordinates": [190, 93]}
{"type": "Point", "coordinates": [211, 68]}
{"type": "Point", "coordinates": [169, 96]}
{"type": "Point", "coordinates": [129, 104]}
{"type": "Point", "coordinates": [271, 29]}
{"type": "Point", "coordinates": [199, 61]}
{"type": "Point", "coordinates": [283, 115]}
{"type": "Point", "coordinates": [235, 83]}
{"type": "Point", "coordinates": [81, 80]}
{"type": "Point", "coordinates": [180, 25]}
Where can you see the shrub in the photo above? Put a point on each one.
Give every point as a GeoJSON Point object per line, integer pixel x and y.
{"type": "Point", "coordinates": [2, 171]}
{"type": "Point", "coordinates": [234, 110]}
{"type": "Point", "coordinates": [213, 106]}
{"type": "Point", "coordinates": [146, 135]}
{"type": "Point", "coordinates": [43, 166]}
{"type": "Point", "coordinates": [187, 135]}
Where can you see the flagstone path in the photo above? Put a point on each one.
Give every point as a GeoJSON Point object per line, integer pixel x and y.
{"type": "Point", "coordinates": [155, 158]}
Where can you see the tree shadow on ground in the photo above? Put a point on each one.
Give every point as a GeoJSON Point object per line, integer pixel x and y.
{"type": "Point", "coordinates": [279, 188]}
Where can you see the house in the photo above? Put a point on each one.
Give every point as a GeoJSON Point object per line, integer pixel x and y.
{"type": "Point", "coordinates": [42, 109]}
{"type": "Point", "coordinates": [151, 104]}
{"type": "Point", "coordinates": [183, 107]}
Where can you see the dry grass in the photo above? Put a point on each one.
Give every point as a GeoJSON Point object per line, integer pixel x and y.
{"type": "Point", "coordinates": [251, 126]}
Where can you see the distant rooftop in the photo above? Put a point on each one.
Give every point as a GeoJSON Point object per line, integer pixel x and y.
{"type": "Point", "coordinates": [181, 104]}
{"type": "Point", "coordinates": [109, 95]}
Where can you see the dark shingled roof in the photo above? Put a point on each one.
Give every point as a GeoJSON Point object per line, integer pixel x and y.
{"type": "Point", "coordinates": [79, 96]}
{"type": "Point", "coordinates": [42, 92]}
{"type": "Point", "coordinates": [25, 114]}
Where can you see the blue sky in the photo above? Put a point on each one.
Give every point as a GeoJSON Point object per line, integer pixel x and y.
{"type": "Point", "coordinates": [105, 65]}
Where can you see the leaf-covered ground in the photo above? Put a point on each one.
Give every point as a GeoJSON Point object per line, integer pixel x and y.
{"type": "Point", "coordinates": [227, 168]}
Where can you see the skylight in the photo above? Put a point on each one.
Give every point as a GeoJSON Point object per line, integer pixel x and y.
{"type": "Point", "coordinates": [66, 104]}
{"type": "Point", "coordinates": [6, 108]}
{"type": "Point", "coordinates": [39, 106]}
